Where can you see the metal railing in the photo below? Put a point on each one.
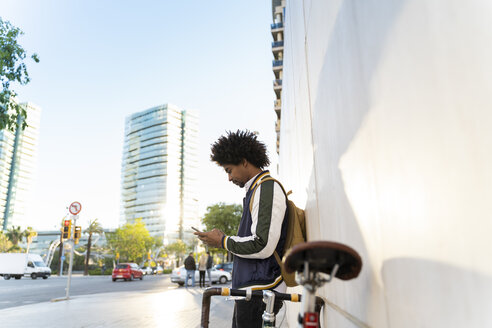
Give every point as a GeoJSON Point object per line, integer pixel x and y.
{"type": "Point", "coordinates": [276, 63]}
{"type": "Point", "coordinates": [277, 25]}
{"type": "Point", "coordinates": [276, 44]}
{"type": "Point", "coordinates": [277, 83]}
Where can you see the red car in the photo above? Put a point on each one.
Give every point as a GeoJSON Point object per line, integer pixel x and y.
{"type": "Point", "coordinates": [127, 271]}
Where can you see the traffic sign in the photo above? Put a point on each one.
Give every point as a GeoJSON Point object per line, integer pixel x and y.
{"type": "Point", "coordinates": [75, 208]}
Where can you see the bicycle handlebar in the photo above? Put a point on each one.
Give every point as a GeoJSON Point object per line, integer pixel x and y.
{"type": "Point", "coordinates": [242, 292]}
{"type": "Point", "coordinates": [224, 291]}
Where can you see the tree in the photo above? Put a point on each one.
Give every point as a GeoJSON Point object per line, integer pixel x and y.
{"type": "Point", "coordinates": [156, 246]}
{"type": "Point", "coordinates": [154, 243]}
{"type": "Point", "coordinates": [15, 235]}
{"type": "Point", "coordinates": [178, 248]}
{"type": "Point", "coordinates": [5, 243]}
{"type": "Point", "coordinates": [131, 241]}
{"type": "Point", "coordinates": [94, 228]}
{"type": "Point", "coordinates": [224, 217]}
{"type": "Point", "coordinates": [12, 69]}
{"type": "Point", "coordinates": [29, 233]}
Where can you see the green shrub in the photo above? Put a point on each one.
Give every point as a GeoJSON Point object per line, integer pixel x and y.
{"type": "Point", "coordinates": [97, 272]}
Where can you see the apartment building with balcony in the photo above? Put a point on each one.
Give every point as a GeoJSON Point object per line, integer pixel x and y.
{"type": "Point", "coordinates": [277, 27]}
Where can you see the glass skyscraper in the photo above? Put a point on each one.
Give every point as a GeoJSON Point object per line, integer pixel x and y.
{"type": "Point", "coordinates": [159, 171]}
{"type": "Point", "coordinates": [18, 166]}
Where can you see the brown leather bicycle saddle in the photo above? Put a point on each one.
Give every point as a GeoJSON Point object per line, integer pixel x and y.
{"type": "Point", "coordinates": [322, 257]}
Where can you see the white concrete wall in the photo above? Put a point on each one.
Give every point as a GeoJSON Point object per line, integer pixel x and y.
{"type": "Point", "coordinates": [386, 138]}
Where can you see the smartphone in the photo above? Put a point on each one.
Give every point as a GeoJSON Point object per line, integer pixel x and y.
{"type": "Point", "coordinates": [195, 229]}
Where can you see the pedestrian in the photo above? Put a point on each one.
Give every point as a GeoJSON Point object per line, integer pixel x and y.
{"type": "Point", "coordinates": [190, 267]}
{"type": "Point", "coordinates": [210, 263]}
{"type": "Point", "coordinates": [261, 230]}
{"type": "Point", "coordinates": [202, 267]}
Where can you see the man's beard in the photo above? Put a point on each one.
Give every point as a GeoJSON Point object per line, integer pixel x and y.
{"type": "Point", "coordinates": [239, 184]}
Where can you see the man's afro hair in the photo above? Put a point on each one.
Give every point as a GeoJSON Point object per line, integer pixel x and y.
{"type": "Point", "coordinates": [236, 146]}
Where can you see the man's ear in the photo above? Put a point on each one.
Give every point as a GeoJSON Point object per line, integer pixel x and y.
{"type": "Point", "coordinates": [244, 162]}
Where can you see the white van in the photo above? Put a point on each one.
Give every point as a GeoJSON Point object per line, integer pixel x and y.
{"type": "Point", "coordinates": [17, 265]}
{"type": "Point", "coordinates": [36, 267]}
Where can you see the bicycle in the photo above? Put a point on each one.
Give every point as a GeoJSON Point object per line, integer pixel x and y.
{"type": "Point", "coordinates": [315, 264]}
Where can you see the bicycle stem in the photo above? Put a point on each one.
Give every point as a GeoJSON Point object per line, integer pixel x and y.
{"type": "Point", "coordinates": [269, 315]}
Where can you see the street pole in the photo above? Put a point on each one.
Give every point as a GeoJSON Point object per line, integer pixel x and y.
{"type": "Point", "coordinates": [62, 257]}
{"type": "Point", "coordinates": [74, 209]}
{"type": "Point", "coordinates": [72, 243]}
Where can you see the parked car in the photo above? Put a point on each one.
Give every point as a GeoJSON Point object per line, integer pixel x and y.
{"type": "Point", "coordinates": [147, 270]}
{"type": "Point", "coordinates": [218, 276]}
{"type": "Point", "coordinates": [157, 270]}
{"type": "Point", "coordinates": [127, 271]}
{"type": "Point", "coordinates": [227, 266]}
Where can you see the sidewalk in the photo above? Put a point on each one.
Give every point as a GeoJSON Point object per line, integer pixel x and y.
{"type": "Point", "coordinates": [174, 308]}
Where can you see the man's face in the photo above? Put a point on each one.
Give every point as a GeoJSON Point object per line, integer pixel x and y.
{"type": "Point", "coordinates": [237, 174]}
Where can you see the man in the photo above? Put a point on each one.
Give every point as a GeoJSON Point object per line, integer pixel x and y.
{"type": "Point", "coordinates": [261, 230]}
{"type": "Point", "coordinates": [210, 263]}
{"type": "Point", "coordinates": [190, 267]}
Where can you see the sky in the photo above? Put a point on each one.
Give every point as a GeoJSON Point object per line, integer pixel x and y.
{"type": "Point", "coordinates": [101, 61]}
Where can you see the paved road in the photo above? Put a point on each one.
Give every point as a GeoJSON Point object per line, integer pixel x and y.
{"type": "Point", "coordinates": [27, 291]}
{"type": "Point", "coordinates": [98, 302]}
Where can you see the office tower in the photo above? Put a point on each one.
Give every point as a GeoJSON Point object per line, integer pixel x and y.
{"type": "Point", "coordinates": [278, 13]}
{"type": "Point", "coordinates": [18, 163]}
{"type": "Point", "coordinates": [159, 171]}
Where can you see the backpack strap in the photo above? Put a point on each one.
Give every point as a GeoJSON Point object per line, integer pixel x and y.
{"type": "Point", "coordinates": [277, 257]}
{"type": "Point", "coordinates": [259, 183]}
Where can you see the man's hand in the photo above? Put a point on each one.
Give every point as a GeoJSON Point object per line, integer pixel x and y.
{"type": "Point", "coordinates": [211, 238]}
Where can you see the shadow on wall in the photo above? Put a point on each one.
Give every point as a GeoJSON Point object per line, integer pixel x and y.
{"type": "Point", "coordinates": [341, 102]}
{"type": "Point", "coordinates": [426, 293]}
{"type": "Point", "coordinates": [342, 99]}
